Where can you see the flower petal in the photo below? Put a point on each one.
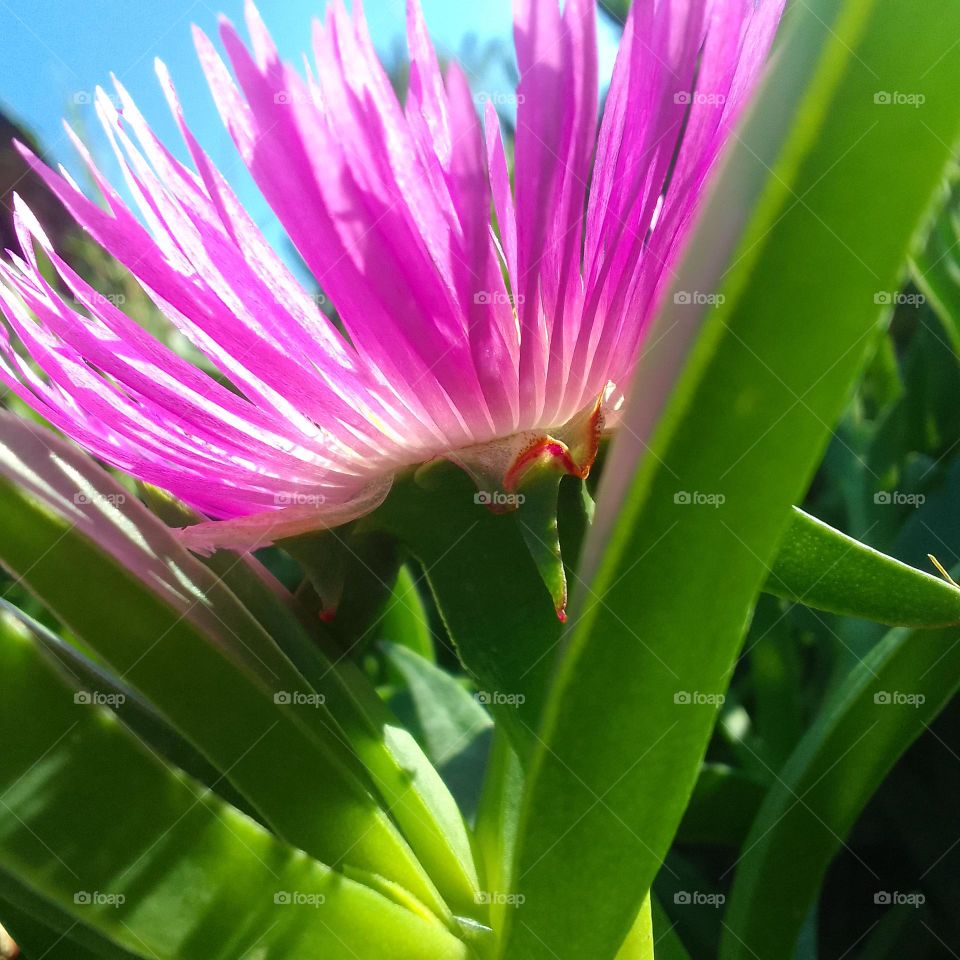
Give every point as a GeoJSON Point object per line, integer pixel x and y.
{"type": "Point", "coordinates": [308, 513]}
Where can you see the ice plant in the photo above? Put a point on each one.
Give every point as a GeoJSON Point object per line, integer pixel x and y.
{"type": "Point", "coordinates": [197, 767]}
{"type": "Point", "coordinates": [503, 344]}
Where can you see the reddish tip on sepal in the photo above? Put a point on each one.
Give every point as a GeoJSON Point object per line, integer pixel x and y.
{"type": "Point", "coordinates": [327, 616]}
{"type": "Point", "coordinates": [562, 614]}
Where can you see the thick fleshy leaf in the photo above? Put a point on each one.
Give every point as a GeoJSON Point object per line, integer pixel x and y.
{"type": "Point", "coordinates": [449, 716]}
{"type": "Point", "coordinates": [162, 879]}
{"type": "Point", "coordinates": [405, 621]}
{"type": "Point", "coordinates": [935, 266]}
{"type": "Point", "coordinates": [825, 569]}
{"type": "Point", "coordinates": [192, 650]}
{"type": "Point", "coordinates": [407, 782]}
{"type": "Point", "coordinates": [453, 727]}
{"type": "Point", "coordinates": [791, 249]}
{"type": "Point", "coordinates": [885, 703]}
{"type": "Point", "coordinates": [640, 940]}
{"type": "Point", "coordinates": [41, 930]}
{"type": "Point", "coordinates": [138, 715]}
{"type": "Point", "coordinates": [497, 818]}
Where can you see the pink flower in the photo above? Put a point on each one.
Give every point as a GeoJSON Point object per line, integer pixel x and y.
{"type": "Point", "coordinates": [495, 347]}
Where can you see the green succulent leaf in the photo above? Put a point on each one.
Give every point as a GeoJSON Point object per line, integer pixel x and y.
{"type": "Point", "coordinates": [449, 716]}
{"type": "Point", "coordinates": [408, 784]}
{"type": "Point", "coordinates": [94, 682]}
{"type": "Point", "coordinates": [193, 651]}
{"type": "Point", "coordinates": [936, 269]}
{"type": "Point", "coordinates": [498, 815]}
{"type": "Point", "coordinates": [825, 569]}
{"type": "Point", "coordinates": [728, 418]}
{"type": "Point", "coordinates": [161, 879]}
{"type": "Point", "coordinates": [447, 719]}
{"type": "Point", "coordinates": [42, 930]}
{"type": "Point", "coordinates": [405, 621]}
{"type": "Point", "coordinates": [640, 940]}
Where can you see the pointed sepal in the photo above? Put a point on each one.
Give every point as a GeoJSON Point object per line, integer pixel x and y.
{"type": "Point", "coordinates": [351, 570]}
{"type": "Point", "coordinates": [537, 518]}
{"type": "Point", "coordinates": [323, 556]}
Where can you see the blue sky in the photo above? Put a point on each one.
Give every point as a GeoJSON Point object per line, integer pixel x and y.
{"type": "Point", "coordinates": [54, 53]}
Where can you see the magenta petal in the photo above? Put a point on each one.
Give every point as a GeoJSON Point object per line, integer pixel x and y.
{"type": "Point", "coordinates": [453, 333]}
{"type": "Point", "coordinates": [483, 294]}
{"type": "Point", "coordinates": [306, 513]}
{"type": "Point", "coordinates": [502, 195]}
{"type": "Point", "coordinates": [543, 129]}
